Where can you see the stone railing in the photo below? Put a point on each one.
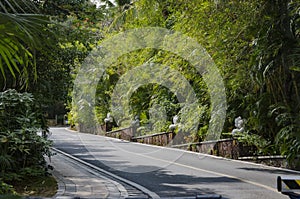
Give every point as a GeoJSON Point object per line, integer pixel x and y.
{"type": "Point", "coordinates": [160, 139]}
{"type": "Point", "coordinates": [229, 148]}
{"type": "Point", "coordinates": [124, 134]}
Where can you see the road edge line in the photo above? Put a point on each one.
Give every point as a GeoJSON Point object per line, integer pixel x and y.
{"type": "Point", "coordinates": [196, 153]}
{"type": "Point", "coordinates": [143, 189]}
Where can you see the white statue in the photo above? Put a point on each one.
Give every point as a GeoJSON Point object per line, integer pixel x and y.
{"type": "Point", "coordinates": [239, 124]}
{"type": "Point", "coordinates": [173, 126]}
{"type": "Point", "coordinates": [108, 118]}
{"type": "Point", "coordinates": [135, 122]}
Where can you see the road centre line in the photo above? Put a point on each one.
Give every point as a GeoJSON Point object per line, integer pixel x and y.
{"type": "Point", "coordinates": [202, 154]}
{"type": "Point", "coordinates": [198, 169]}
{"type": "Point", "coordinates": [212, 172]}
{"type": "Point", "coordinates": [203, 170]}
{"type": "Point", "coordinates": [195, 168]}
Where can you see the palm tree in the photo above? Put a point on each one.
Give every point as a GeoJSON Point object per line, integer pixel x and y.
{"type": "Point", "coordinates": [21, 33]}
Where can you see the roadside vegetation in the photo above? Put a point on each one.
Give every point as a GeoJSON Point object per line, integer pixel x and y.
{"type": "Point", "coordinates": [22, 150]}
{"type": "Point", "coordinates": [254, 43]}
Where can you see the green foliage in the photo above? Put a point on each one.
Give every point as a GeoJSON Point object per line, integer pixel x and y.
{"type": "Point", "coordinates": [259, 142]}
{"type": "Point", "coordinates": [6, 189]}
{"type": "Point", "coordinates": [200, 136]}
{"type": "Point", "coordinates": [255, 45]}
{"type": "Point", "coordinates": [78, 27]}
{"type": "Point", "coordinates": [287, 139]}
{"type": "Point", "coordinates": [22, 149]}
{"type": "Point", "coordinates": [22, 32]}
{"type": "Point", "coordinates": [277, 96]}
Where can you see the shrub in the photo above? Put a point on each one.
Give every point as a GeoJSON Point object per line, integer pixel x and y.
{"type": "Point", "coordinates": [20, 145]}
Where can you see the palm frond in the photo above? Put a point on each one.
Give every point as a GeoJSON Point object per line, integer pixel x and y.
{"type": "Point", "coordinates": [18, 7]}
{"type": "Point", "coordinates": [21, 33]}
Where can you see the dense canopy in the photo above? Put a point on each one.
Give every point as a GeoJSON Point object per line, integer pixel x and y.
{"type": "Point", "coordinates": [254, 44]}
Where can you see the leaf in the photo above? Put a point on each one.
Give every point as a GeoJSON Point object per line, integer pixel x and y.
{"type": "Point", "coordinates": [6, 56]}
{"type": "Point", "coordinates": [295, 68]}
{"type": "Point", "coordinates": [20, 36]}
{"type": "Point", "coordinates": [4, 139]}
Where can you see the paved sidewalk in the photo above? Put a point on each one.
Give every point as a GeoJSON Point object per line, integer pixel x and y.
{"type": "Point", "coordinates": [78, 181]}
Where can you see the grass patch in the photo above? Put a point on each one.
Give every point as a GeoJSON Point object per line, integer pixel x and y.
{"type": "Point", "coordinates": [44, 186]}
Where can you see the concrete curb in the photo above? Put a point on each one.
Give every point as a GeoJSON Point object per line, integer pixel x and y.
{"type": "Point", "coordinates": [143, 189]}
{"type": "Point", "coordinates": [76, 181]}
{"type": "Point", "coordinates": [60, 183]}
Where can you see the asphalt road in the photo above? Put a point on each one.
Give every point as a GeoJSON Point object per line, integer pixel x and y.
{"type": "Point", "coordinates": [171, 172]}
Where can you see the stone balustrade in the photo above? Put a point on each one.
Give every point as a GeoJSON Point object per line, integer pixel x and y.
{"type": "Point", "coordinates": [229, 148]}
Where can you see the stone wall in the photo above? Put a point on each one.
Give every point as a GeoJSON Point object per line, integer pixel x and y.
{"type": "Point", "coordinates": [160, 139]}
{"type": "Point", "coordinates": [229, 148]}
{"type": "Point", "coordinates": [124, 134]}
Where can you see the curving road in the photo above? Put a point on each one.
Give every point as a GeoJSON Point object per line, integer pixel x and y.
{"type": "Point", "coordinates": [171, 172]}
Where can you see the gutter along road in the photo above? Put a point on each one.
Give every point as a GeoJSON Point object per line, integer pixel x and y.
{"type": "Point", "coordinates": [171, 172]}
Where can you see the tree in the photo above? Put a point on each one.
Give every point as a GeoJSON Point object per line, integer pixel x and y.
{"type": "Point", "coordinates": [256, 47]}
{"type": "Point", "coordinates": [21, 34]}
{"type": "Point", "coordinates": [78, 26]}
{"type": "Point", "coordinates": [276, 74]}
